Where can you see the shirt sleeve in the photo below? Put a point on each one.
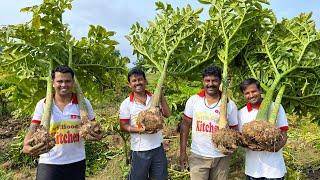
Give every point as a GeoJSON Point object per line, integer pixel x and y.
{"type": "Point", "coordinates": [188, 111]}
{"type": "Point", "coordinates": [282, 121]}
{"type": "Point", "coordinates": [239, 120]}
{"type": "Point", "coordinates": [38, 112]}
{"type": "Point", "coordinates": [232, 114]}
{"type": "Point", "coordinates": [91, 114]}
{"type": "Point", "coordinates": [124, 112]}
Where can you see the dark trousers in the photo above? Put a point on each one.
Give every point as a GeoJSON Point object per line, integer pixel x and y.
{"type": "Point", "coordinates": [73, 171]}
{"type": "Point", "coordinates": [252, 178]}
{"type": "Point", "coordinates": [150, 164]}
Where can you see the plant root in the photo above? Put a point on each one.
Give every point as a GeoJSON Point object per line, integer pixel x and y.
{"type": "Point", "coordinates": [151, 119]}
{"type": "Point", "coordinates": [260, 136]}
{"type": "Point", "coordinates": [43, 136]}
{"type": "Point", "coordinates": [89, 127]}
{"type": "Point", "coordinates": [226, 140]}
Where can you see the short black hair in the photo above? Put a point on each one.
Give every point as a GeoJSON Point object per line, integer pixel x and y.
{"type": "Point", "coordinates": [211, 71]}
{"type": "Point", "coordinates": [248, 82]}
{"type": "Point", "coordinates": [136, 71]}
{"type": "Point", "coordinates": [62, 69]}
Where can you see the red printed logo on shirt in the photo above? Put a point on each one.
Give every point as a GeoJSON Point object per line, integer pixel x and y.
{"type": "Point", "coordinates": [217, 111]}
{"type": "Point", "coordinates": [74, 116]}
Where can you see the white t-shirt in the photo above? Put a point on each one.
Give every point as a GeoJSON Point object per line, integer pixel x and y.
{"type": "Point", "coordinates": [205, 123]}
{"type": "Point", "coordinates": [64, 126]}
{"type": "Point", "coordinates": [129, 110]}
{"type": "Point", "coordinates": [263, 163]}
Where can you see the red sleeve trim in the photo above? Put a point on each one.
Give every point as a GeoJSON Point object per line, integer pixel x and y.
{"type": "Point", "coordinates": [202, 93]}
{"type": "Point", "coordinates": [125, 120]}
{"type": "Point", "coordinates": [284, 128]}
{"type": "Point", "coordinates": [233, 126]}
{"type": "Point", "coordinates": [35, 121]}
{"type": "Point", "coordinates": [187, 116]}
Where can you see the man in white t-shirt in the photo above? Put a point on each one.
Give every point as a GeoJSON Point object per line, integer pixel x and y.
{"type": "Point", "coordinates": [66, 160]}
{"type": "Point", "coordinates": [202, 113]}
{"type": "Point", "coordinates": [262, 165]}
{"type": "Point", "coordinates": [148, 159]}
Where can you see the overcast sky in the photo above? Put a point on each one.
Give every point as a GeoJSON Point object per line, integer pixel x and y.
{"type": "Point", "coordinates": [119, 15]}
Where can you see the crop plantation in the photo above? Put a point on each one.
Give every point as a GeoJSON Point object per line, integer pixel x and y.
{"type": "Point", "coordinates": [244, 38]}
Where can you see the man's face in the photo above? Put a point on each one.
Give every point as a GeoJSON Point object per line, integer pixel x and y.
{"type": "Point", "coordinates": [252, 94]}
{"type": "Point", "coordinates": [211, 84]}
{"type": "Point", "coordinates": [137, 83]}
{"type": "Point", "coordinates": [63, 83]}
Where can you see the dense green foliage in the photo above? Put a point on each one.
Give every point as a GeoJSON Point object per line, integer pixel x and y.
{"type": "Point", "coordinates": [28, 49]}
{"type": "Point", "coordinates": [287, 54]}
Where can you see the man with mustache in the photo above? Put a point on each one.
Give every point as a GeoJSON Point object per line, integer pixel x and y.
{"type": "Point", "coordinates": [202, 113]}
{"type": "Point", "coordinates": [148, 159]}
{"type": "Point", "coordinates": [262, 165]}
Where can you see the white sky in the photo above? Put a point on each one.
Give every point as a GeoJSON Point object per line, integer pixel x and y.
{"type": "Point", "coordinates": [119, 15]}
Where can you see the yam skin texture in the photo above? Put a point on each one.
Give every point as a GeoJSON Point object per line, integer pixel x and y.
{"type": "Point", "coordinates": [260, 136]}
{"type": "Point", "coordinates": [151, 119]}
{"type": "Point", "coordinates": [90, 126]}
{"type": "Point", "coordinates": [41, 135]}
{"type": "Point", "coordinates": [226, 140]}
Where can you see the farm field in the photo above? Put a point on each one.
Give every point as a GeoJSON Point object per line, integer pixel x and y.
{"type": "Point", "coordinates": [244, 38]}
{"type": "Point", "coordinates": [302, 154]}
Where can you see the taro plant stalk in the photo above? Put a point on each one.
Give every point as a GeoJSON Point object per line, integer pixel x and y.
{"type": "Point", "coordinates": [79, 93]}
{"type": "Point", "coordinates": [42, 134]}
{"type": "Point", "coordinates": [46, 117]}
{"type": "Point", "coordinates": [284, 57]}
{"type": "Point", "coordinates": [287, 48]}
{"type": "Point", "coordinates": [174, 43]}
{"type": "Point", "coordinates": [236, 20]}
{"type": "Point", "coordinates": [274, 111]}
{"type": "Point", "coordinates": [86, 126]}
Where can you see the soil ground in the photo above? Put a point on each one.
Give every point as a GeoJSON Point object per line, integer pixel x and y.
{"type": "Point", "coordinates": [8, 129]}
{"type": "Point", "coordinates": [115, 169]}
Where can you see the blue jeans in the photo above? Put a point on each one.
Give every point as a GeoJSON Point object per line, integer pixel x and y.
{"type": "Point", "coordinates": [151, 164]}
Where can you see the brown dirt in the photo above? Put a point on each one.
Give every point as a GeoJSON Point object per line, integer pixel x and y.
{"type": "Point", "coordinates": [226, 140]}
{"type": "Point", "coordinates": [114, 141]}
{"type": "Point", "coordinates": [260, 135]}
{"type": "Point", "coordinates": [24, 173]}
{"type": "Point", "coordinates": [314, 175]}
{"type": "Point", "coordinates": [43, 136]}
{"type": "Point", "coordinates": [151, 119]}
{"type": "Point", "coordinates": [7, 165]}
{"type": "Point", "coordinates": [90, 126]}
{"type": "Point", "coordinates": [8, 129]}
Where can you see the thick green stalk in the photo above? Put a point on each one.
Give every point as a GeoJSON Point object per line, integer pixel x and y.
{"type": "Point", "coordinates": [224, 97]}
{"type": "Point", "coordinates": [81, 101]}
{"type": "Point", "coordinates": [70, 61]}
{"type": "Point", "coordinates": [45, 120]}
{"type": "Point", "coordinates": [274, 114]}
{"type": "Point", "coordinates": [157, 92]}
{"type": "Point", "coordinates": [80, 96]}
{"type": "Point", "coordinates": [267, 100]}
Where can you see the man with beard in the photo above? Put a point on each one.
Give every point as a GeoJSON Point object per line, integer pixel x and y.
{"type": "Point", "coordinates": [262, 165]}
{"type": "Point", "coordinates": [148, 159]}
{"type": "Point", "coordinates": [202, 113]}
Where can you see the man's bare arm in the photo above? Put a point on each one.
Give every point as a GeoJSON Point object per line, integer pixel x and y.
{"type": "Point", "coordinates": [27, 139]}
{"type": "Point", "coordinates": [125, 126]}
{"type": "Point", "coordinates": [166, 112]}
